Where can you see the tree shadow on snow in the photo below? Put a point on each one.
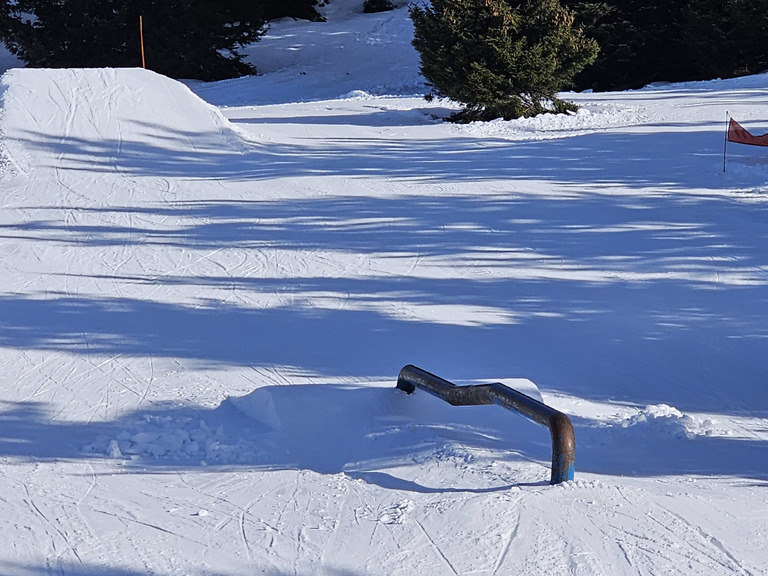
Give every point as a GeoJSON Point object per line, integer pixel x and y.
{"type": "Point", "coordinates": [666, 448]}
{"type": "Point", "coordinates": [83, 569]}
{"type": "Point", "coordinates": [367, 433]}
{"type": "Point", "coordinates": [364, 432]}
{"type": "Point", "coordinates": [639, 300]}
{"type": "Point", "coordinates": [633, 160]}
{"type": "Point", "coordinates": [635, 298]}
{"type": "Point", "coordinates": [71, 570]}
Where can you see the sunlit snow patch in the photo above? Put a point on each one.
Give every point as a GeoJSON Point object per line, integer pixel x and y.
{"type": "Point", "coordinates": [587, 120]}
{"type": "Point", "coordinates": [662, 419]}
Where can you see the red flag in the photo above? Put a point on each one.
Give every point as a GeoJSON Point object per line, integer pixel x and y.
{"type": "Point", "coordinates": [737, 133]}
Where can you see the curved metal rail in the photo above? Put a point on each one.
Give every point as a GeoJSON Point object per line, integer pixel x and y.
{"type": "Point", "coordinates": [560, 427]}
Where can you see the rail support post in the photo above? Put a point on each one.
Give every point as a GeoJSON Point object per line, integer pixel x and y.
{"type": "Point", "coordinates": [560, 427]}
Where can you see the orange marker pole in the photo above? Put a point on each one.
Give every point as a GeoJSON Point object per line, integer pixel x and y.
{"type": "Point", "coordinates": [141, 39]}
{"type": "Point", "coordinates": [725, 145]}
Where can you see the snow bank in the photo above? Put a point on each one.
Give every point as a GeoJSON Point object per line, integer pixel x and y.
{"type": "Point", "coordinates": [662, 419]}
{"type": "Point", "coordinates": [91, 117]}
{"type": "Point", "coordinates": [350, 52]}
{"type": "Point", "coordinates": [322, 427]}
{"type": "Point", "coordinates": [587, 119]}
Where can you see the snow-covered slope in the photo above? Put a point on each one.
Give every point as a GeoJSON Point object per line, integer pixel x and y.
{"type": "Point", "coordinates": [114, 119]}
{"type": "Point", "coordinates": [207, 293]}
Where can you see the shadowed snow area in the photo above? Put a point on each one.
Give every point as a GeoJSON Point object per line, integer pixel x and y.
{"type": "Point", "coordinates": [208, 290]}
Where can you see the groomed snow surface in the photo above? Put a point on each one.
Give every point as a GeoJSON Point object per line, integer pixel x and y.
{"type": "Point", "coordinates": [208, 290]}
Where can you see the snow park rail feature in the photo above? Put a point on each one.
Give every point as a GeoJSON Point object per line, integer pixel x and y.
{"type": "Point", "coordinates": [560, 427]}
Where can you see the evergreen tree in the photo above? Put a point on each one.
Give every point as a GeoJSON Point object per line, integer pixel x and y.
{"type": "Point", "coordinates": [644, 41]}
{"type": "Point", "coordinates": [636, 38]}
{"type": "Point", "coordinates": [301, 9]}
{"type": "Point", "coordinates": [182, 38]}
{"type": "Point", "coordinates": [499, 58]}
{"type": "Point", "coordinates": [372, 6]}
{"type": "Point", "coordinates": [725, 38]}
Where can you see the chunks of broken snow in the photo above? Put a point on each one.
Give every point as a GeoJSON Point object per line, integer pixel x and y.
{"type": "Point", "coordinates": [171, 438]}
{"type": "Point", "coordinates": [668, 420]}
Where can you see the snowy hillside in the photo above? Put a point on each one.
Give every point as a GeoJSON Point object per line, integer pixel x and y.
{"type": "Point", "coordinates": [208, 291]}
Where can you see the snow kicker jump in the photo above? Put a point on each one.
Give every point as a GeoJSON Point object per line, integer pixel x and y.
{"type": "Point", "coordinates": [116, 119]}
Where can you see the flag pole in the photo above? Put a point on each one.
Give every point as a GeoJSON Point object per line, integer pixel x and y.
{"type": "Point", "coordinates": [141, 40]}
{"type": "Point", "coordinates": [725, 143]}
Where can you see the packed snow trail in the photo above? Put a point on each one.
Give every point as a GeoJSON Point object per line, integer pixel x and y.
{"type": "Point", "coordinates": [203, 313]}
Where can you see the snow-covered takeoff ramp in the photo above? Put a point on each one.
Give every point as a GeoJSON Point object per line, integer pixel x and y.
{"type": "Point", "coordinates": [124, 118]}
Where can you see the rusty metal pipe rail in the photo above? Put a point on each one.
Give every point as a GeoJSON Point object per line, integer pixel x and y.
{"type": "Point", "coordinates": [560, 427]}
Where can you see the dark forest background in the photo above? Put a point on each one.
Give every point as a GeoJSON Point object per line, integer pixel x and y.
{"type": "Point", "coordinates": [641, 41]}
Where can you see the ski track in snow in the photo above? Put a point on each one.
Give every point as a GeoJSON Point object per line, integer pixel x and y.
{"type": "Point", "coordinates": [208, 292]}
